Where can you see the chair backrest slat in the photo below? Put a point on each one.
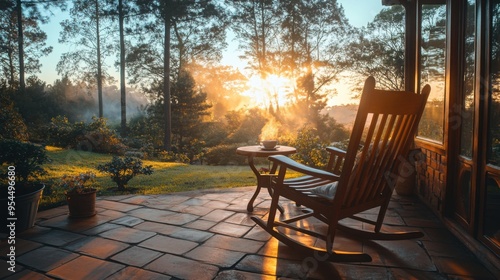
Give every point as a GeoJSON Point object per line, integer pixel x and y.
{"type": "Point", "coordinates": [385, 126]}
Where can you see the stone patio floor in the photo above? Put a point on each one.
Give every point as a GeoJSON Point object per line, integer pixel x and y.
{"type": "Point", "coordinates": [209, 235]}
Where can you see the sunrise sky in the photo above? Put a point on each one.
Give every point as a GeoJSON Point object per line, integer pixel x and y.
{"type": "Point", "coordinates": [359, 13]}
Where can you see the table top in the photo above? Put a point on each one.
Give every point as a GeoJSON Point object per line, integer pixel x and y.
{"type": "Point", "coordinates": [259, 151]}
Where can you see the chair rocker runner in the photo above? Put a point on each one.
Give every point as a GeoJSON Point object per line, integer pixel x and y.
{"type": "Point", "coordinates": [355, 181]}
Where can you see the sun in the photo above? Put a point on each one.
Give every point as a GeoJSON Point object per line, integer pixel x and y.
{"type": "Point", "coordinates": [273, 90]}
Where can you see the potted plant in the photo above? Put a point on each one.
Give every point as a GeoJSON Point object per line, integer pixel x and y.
{"type": "Point", "coordinates": [121, 170]}
{"type": "Point", "coordinates": [80, 194]}
{"type": "Point", "coordinates": [20, 189]}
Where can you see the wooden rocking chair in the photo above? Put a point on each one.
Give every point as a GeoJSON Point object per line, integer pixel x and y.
{"type": "Point", "coordinates": [355, 181]}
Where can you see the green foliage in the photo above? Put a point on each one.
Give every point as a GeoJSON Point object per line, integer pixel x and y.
{"type": "Point", "coordinates": [172, 157]}
{"type": "Point", "coordinates": [310, 149]}
{"type": "Point", "coordinates": [26, 158]}
{"type": "Point", "coordinates": [189, 106]}
{"type": "Point", "coordinates": [379, 49]}
{"type": "Point", "coordinates": [12, 125]}
{"type": "Point", "coordinates": [224, 155]}
{"type": "Point", "coordinates": [81, 183]}
{"type": "Point", "coordinates": [121, 170]}
{"type": "Point", "coordinates": [95, 136]}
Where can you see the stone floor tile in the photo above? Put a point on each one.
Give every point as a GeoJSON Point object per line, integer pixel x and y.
{"type": "Point", "coordinates": [136, 256]}
{"type": "Point", "coordinates": [238, 207]}
{"type": "Point", "coordinates": [421, 222]}
{"type": "Point", "coordinates": [32, 232]}
{"type": "Point", "coordinates": [4, 268]}
{"type": "Point", "coordinates": [27, 275]}
{"type": "Point", "coordinates": [180, 219]}
{"type": "Point", "coordinates": [230, 229]}
{"type": "Point", "coordinates": [117, 206]}
{"type": "Point", "coordinates": [465, 267]}
{"type": "Point", "coordinates": [273, 266]}
{"type": "Point", "coordinates": [403, 253]}
{"type": "Point", "coordinates": [183, 268]}
{"type": "Point", "coordinates": [257, 233]}
{"type": "Point", "coordinates": [149, 214]}
{"type": "Point", "coordinates": [57, 237]}
{"type": "Point", "coordinates": [217, 215]}
{"type": "Point", "coordinates": [75, 225]}
{"type": "Point", "coordinates": [21, 246]}
{"type": "Point", "coordinates": [136, 199]}
{"type": "Point", "coordinates": [101, 228]}
{"type": "Point", "coordinates": [326, 270]}
{"type": "Point", "coordinates": [97, 247]}
{"type": "Point", "coordinates": [116, 197]}
{"type": "Point", "coordinates": [128, 221]}
{"type": "Point", "coordinates": [51, 213]}
{"type": "Point", "coordinates": [137, 273]}
{"type": "Point", "coordinates": [234, 244]}
{"type": "Point", "coordinates": [46, 258]}
{"type": "Point", "coordinates": [241, 219]}
{"type": "Point", "coordinates": [168, 200]}
{"type": "Point", "coordinates": [439, 249]}
{"type": "Point", "coordinates": [215, 256]}
{"type": "Point", "coordinates": [276, 249]}
{"type": "Point", "coordinates": [237, 274]}
{"type": "Point", "coordinates": [128, 235]}
{"type": "Point", "coordinates": [158, 228]}
{"type": "Point", "coordinates": [201, 224]}
{"type": "Point", "coordinates": [168, 245]}
{"type": "Point", "coordinates": [441, 235]}
{"type": "Point", "coordinates": [400, 273]}
{"type": "Point", "coordinates": [110, 214]}
{"type": "Point", "coordinates": [192, 235]}
{"type": "Point", "coordinates": [216, 204]}
{"type": "Point", "coordinates": [194, 201]}
{"type": "Point", "coordinates": [85, 268]}
{"type": "Point", "coordinates": [195, 210]}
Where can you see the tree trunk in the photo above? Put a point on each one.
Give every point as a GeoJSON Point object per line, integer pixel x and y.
{"type": "Point", "coordinates": [20, 42]}
{"type": "Point", "coordinates": [167, 141]}
{"type": "Point", "coordinates": [99, 71]}
{"type": "Point", "coordinates": [122, 72]}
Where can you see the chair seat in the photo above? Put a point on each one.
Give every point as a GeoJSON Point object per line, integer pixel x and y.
{"type": "Point", "coordinates": [327, 191]}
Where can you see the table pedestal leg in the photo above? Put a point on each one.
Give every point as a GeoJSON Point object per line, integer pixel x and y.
{"type": "Point", "coordinates": [263, 181]}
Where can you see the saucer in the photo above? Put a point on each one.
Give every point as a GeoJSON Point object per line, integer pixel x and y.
{"type": "Point", "coordinates": [271, 149]}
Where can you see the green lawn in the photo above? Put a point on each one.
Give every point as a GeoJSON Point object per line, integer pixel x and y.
{"type": "Point", "coordinates": [167, 177]}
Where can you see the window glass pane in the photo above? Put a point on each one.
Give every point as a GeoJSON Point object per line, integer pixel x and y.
{"type": "Point", "coordinates": [432, 69]}
{"type": "Point", "coordinates": [494, 94]}
{"type": "Point", "coordinates": [468, 81]}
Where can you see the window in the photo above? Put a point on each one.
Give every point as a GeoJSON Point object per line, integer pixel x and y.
{"type": "Point", "coordinates": [432, 69]}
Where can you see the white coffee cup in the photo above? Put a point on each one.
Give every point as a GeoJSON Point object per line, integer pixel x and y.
{"type": "Point", "coordinates": [269, 144]}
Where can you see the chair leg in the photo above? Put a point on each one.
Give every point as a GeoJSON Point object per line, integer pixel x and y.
{"type": "Point", "coordinates": [317, 253]}
{"type": "Point", "coordinates": [369, 235]}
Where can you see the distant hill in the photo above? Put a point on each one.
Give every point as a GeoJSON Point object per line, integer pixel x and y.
{"type": "Point", "coordinates": [343, 114]}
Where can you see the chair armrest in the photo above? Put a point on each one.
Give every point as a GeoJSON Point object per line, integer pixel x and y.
{"type": "Point", "coordinates": [286, 162]}
{"type": "Point", "coordinates": [336, 160]}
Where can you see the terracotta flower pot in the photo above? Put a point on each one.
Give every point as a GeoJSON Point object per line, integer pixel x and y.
{"type": "Point", "coordinates": [81, 205]}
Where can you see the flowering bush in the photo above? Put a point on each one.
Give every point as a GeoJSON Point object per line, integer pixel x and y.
{"type": "Point", "coordinates": [122, 170]}
{"type": "Point", "coordinates": [82, 183]}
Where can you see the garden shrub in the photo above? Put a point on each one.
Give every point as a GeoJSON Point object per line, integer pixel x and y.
{"type": "Point", "coordinates": [12, 125]}
{"type": "Point", "coordinates": [95, 136]}
{"type": "Point", "coordinates": [310, 149]}
{"type": "Point", "coordinates": [224, 155]}
{"type": "Point", "coordinates": [25, 157]}
{"type": "Point", "coordinates": [122, 170]}
{"type": "Point", "coordinates": [172, 157]}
